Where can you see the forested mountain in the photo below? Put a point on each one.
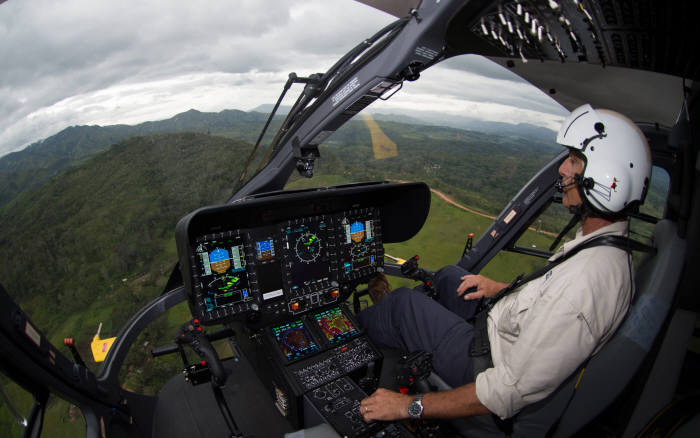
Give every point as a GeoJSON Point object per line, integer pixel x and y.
{"type": "Point", "coordinates": [81, 241]}
{"type": "Point", "coordinates": [36, 164]}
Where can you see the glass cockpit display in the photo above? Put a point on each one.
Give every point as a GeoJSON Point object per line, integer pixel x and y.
{"type": "Point", "coordinates": [223, 280]}
{"type": "Point", "coordinates": [267, 264]}
{"type": "Point", "coordinates": [294, 340]}
{"type": "Point", "coordinates": [335, 326]}
{"type": "Point", "coordinates": [306, 246]}
{"type": "Point", "coordinates": [358, 241]}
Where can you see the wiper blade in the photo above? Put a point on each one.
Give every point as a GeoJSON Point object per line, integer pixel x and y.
{"type": "Point", "coordinates": [312, 81]}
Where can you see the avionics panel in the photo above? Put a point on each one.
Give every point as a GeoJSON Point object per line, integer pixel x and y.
{"type": "Point", "coordinates": [221, 281]}
{"type": "Point", "coordinates": [360, 247]}
{"type": "Point", "coordinates": [285, 254]}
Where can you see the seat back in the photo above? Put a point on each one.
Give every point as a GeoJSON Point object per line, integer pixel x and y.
{"type": "Point", "coordinates": [608, 372]}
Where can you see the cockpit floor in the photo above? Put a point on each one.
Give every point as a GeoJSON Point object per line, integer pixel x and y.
{"type": "Point", "coordinates": [190, 411]}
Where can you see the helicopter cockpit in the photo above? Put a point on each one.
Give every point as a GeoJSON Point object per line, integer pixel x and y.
{"type": "Point", "coordinates": [272, 279]}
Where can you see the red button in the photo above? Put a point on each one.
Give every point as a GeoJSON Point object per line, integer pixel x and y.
{"type": "Point", "coordinates": [196, 321]}
{"type": "Point", "coordinates": [204, 362]}
{"type": "Point", "coordinates": [334, 293]}
{"type": "Point", "coordinates": [199, 329]}
{"type": "Point", "coordinates": [295, 306]}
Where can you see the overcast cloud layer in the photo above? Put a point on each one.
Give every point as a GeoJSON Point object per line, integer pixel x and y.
{"type": "Point", "coordinates": [104, 62]}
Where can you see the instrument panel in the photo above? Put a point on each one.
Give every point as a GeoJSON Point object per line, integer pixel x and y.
{"type": "Point", "coordinates": [284, 269]}
{"type": "Point", "coordinates": [277, 257]}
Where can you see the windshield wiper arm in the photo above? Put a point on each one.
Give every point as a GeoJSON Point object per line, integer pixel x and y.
{"type": "Point", "coordinates": [312, 81]}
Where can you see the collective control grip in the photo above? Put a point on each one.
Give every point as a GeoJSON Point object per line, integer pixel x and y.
{"type": "Point", "coordinates": [193, 334]}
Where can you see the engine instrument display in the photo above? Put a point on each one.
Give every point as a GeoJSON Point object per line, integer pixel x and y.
{"type": "Point", "coordinates": [294, 340]}
{"type": "Point", "coordinates": [223, 279]}
{"type": "Point", "coordinates": [335, 326]}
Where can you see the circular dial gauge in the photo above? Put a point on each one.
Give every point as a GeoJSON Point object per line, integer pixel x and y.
{"type": "Point", "coordinates": [307, 247]}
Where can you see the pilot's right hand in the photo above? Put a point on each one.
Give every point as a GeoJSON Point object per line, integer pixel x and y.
{"type": "Point", "coordinates": [477, 286]}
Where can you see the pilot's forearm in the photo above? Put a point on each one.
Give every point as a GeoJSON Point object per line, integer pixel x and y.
{"type": "Point", "coordinates": [385, 405]}
{"type": "Point", "coordinates": [455, 403]}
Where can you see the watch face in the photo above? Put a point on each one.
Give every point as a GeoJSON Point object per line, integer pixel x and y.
{"type": "Point", "coordinates": [415, 409]}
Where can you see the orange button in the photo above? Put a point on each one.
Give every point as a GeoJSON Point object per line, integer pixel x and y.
{"type": "Point", "coordinates": [335, 293]}
{"type": "Point", "coordinates": [295, 306]}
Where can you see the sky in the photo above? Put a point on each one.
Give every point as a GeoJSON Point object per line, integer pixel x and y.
{"type": "Point", "coordinates": [88, 62]}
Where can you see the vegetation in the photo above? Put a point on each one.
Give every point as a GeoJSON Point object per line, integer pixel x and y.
{"type": "Point", "coordinates": [36, 164]}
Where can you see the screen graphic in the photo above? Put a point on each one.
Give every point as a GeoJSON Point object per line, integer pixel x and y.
{"type": "Point", "coordinates": [294, 339]}
{"type": "Point", "coordinates": [223, 279]}
{"type": "Point", "coordinates": [358, 246]}
{"type": "Point", "coordinates": [335, 325]}
{"type": "Point", "coordinates": [307, 258]}
{"type": "Point", "coordinates": [265, 249]}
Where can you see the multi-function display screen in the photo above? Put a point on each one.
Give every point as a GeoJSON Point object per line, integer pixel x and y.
{"type": "Point", "coordinates": [335, 326]}
{"type": "Point", "coordinates": [308, 260]}
{"type": "Point", "coordinates": [294, 340]}
{"type": "Point", "coordinates": [223, 279]}
{"type": "Point", "coordinates": [267, 263]}
{"type": "Point", "coordinates": [358, 245]}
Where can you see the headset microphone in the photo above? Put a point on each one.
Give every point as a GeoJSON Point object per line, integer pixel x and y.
{"type": "Point", "coordinates": [560, 187]}
{"type": "Point", "coordinates": [586, 183]}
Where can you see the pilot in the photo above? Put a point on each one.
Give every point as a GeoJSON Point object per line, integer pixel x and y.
{"type": "Point", "coordinates": [541, 330]}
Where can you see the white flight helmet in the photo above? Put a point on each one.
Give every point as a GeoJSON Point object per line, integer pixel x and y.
{"type": "Point", "coordinates": [618, 160]}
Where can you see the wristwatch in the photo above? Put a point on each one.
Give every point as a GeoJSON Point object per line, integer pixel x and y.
{"type": "Point", "coordinates": [415, 409]}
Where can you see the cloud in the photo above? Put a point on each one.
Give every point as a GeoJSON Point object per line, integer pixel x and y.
{"type": "Point", "coordinates": [58, 54]}
{"type": "Point", "coordinates": [99, 62]}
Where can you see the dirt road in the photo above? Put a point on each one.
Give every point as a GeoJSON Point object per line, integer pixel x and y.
{"type": "Point", "coordinates": [451, 201]}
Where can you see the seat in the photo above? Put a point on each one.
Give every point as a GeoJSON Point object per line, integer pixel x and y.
{"type": "Point", "coordinates": [608, 372]}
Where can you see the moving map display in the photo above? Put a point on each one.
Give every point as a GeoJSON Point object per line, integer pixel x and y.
{"type": "Point", "coordinates": [223, 279]}
{"type": "Point", "coordinates": [335, 326]}
{"type": "Point", "coordinates": [306, 247]}
{"type": "Point", "coordinates": [294, 340]}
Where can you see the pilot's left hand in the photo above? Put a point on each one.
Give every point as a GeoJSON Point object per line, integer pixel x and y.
{"type": "Point", "coordinates": [385, 405]}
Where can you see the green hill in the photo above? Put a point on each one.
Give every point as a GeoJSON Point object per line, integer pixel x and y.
{"type": "Point", "coordinates": [44, 159]}
{"type": "Point", "coordinates": [103, 232]}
